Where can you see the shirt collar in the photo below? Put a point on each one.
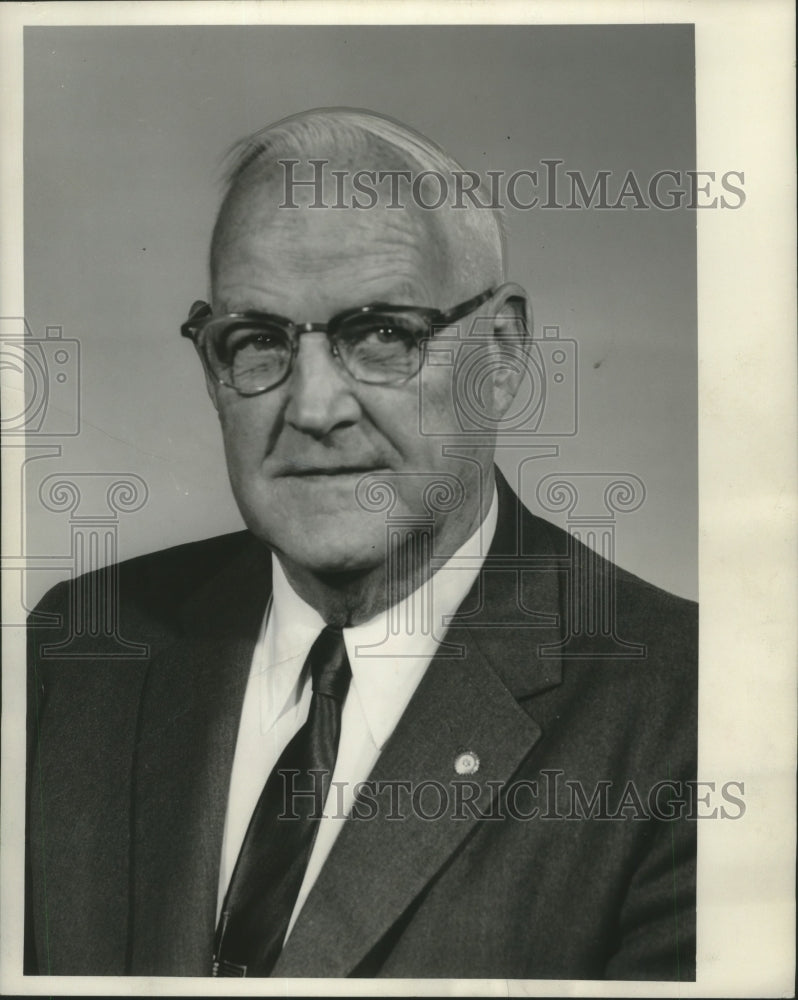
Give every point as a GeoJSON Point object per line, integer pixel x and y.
{"type": "Point", "coordinates": [290, 627]}
{"type": "Point", "coordinates": [389, 653]}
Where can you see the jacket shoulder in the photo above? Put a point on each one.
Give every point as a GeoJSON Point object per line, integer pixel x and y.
{"type": "Point", "coordinates": [162, 579]}
{"type": "Point", "coordinates": [631, 587]}
{"type": "Point", "coordinates": [660, 625]}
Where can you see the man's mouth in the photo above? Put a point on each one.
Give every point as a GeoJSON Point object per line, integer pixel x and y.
{"type": "Point", "coordinates": [304, 472]}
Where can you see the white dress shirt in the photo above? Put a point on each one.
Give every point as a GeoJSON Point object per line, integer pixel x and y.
{"type": "Point", "coordinates": [388, 656]}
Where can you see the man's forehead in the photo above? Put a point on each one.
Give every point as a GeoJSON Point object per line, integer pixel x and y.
{"type": "Point", "coordinates": [259, 234]}
{"type": "Point", "coordinates": [264, 202]}
{"type": "Point", "coordinates": [337, 204]}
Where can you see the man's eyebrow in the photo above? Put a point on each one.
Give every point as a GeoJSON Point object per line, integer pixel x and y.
{"type": "Point", "coordinates": [373, 304]}
{"type": "Point", "coordinates": [400, 300]}
{"type": "Point", "coordinates": [404, 295]}
{"type": "Point", "coordinates": [401, 303]}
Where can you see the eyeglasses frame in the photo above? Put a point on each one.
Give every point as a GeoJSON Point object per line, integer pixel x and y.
{"type": "Point", "coordinates": [201, 314]}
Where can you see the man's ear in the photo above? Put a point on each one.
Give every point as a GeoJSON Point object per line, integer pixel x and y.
{"type": "Point", "coordinates": [512, 329]}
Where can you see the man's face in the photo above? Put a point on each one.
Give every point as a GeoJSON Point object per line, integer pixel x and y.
{"type": "Point", "coordinates": [296, 453]}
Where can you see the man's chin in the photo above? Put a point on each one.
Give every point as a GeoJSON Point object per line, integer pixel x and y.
{"type": "Point", "coordinates": [332, 562]}
{"type": "Point", "coordinates": [339, 546]}
{"type": "Point", "coordinates": [322, 538]}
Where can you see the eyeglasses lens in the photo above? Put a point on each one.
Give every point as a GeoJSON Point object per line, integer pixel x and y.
{"type": "Point", "coordinates": [381, 348]}
{"type": "Point", "coordinates": [250, 357]}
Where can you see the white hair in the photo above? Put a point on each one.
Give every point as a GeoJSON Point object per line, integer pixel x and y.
{"type": "Point", "coordinates": [475, 236]}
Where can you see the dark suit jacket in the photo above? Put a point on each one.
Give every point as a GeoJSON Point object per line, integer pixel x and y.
{"type": "Point", "coordinates": [130, 762]}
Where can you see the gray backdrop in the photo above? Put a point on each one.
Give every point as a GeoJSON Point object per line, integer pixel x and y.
{"type": "Point", "coordinates": [124, 133]}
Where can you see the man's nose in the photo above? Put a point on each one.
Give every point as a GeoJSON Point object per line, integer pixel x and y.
{"type": "Point", "coordinates": [320, 394]}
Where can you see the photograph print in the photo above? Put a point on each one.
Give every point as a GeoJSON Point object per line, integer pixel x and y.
{"type": "Point", "coordinates": [360, 500]}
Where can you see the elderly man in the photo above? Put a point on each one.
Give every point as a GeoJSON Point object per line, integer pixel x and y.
{"type": "Point", "coordinates": [367, 739]}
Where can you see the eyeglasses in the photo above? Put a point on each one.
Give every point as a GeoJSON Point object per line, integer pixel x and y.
{"type": "Point", "coordinates": [253, 352]}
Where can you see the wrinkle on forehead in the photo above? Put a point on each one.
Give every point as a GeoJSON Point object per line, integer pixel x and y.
{"type": "Point", "coordinates": [349, 255]}
{"type": "Point", "coordinates": [430, 244]}
{"type": "Point", "coordinates": [261, 287]}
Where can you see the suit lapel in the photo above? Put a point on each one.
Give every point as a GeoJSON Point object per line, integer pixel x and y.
{"type": "Point", "coordinates": [188, 726]}
{"type": "Point", "coordinates": [379, 866]}
{"type": "Point", "coordinates": [187, 731]}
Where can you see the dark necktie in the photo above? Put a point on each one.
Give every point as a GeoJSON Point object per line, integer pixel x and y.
{"type": "Point", "coordinates": [276, 849]}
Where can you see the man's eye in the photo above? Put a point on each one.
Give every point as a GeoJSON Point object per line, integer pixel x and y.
{"type": "Point", "coordinates": [249, 343]}
{"type": "Point", "coordinates": [381, 334]}
{"type": "Point", "coordinates": [385, 334]}
{"type": "Point", "coordinates": [255, 340]}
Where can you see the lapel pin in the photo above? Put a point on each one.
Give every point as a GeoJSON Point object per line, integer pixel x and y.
{"type": "Point", "coordinates": [466, 762]}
